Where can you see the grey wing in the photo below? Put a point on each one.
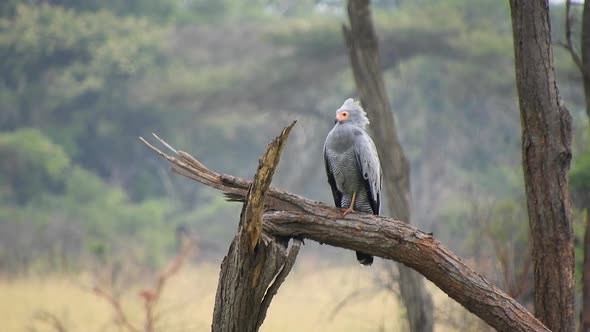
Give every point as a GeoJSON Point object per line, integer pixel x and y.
{"type": "Point", "coordinates": [368, 160]}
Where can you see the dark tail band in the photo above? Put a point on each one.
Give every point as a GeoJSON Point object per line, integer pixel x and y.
{"type": "Point", "coordinates": [364, 259]}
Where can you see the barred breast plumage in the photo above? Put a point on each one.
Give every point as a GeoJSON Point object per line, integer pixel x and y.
{"type": "Point", "coordinates": [348, 176]}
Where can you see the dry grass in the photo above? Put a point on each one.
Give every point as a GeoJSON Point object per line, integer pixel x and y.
{"type": "Point", "coordinates": [304, 303]}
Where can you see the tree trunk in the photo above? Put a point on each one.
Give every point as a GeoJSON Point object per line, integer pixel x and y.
{"type": "Point", "coordinates": [546, 154]}
{"type": "Point", "coordinates": [289, 215]}
{"type": "Point", "coordinates": [366, 66]}
{"type": "Point", "coordinates": [257, 263]}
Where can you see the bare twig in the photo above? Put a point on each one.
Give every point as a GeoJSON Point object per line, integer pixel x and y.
{"type": "Point", "coordinates": [360, 293]}
{"type": "Point", "coordinates": [522, 281]}
{"type": "Point", "coordinates": [150, 296]}
{"type": "Point", "coordinates": [116, 304]}
{"type": "Point", "coordinates": [568, 45]}
{"type": "Point", "coordinates": [385, 281]}
{"type": "Point", "coordinates": [50, 319]}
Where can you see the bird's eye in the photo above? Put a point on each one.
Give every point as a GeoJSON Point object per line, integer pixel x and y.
{"type": "Point", "coordinates": [344, 114]}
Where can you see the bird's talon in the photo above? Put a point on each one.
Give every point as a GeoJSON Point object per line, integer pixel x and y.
{"type": "Point", "coordinates": [347, 211]}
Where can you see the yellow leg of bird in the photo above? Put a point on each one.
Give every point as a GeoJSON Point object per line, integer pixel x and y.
{"type": "Point", "coordinates": [351, 207]}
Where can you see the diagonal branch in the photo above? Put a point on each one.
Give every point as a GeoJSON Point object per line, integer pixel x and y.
{"type": "Point", "coordinates": [392, 239]}
{"type": "Point", "coordinates": [290, 215]}
{"type": "Point", "coordinates": [568, 44]}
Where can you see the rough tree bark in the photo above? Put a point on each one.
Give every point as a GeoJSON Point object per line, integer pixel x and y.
{"type": "Point", "coordinates": [257, 263]}
{"type": "Point", "coordinates": [363, 49]}
{"type": "Point", "coordinates": [546, 154]}
{"type": "Point", "coordinates": [289, 215]}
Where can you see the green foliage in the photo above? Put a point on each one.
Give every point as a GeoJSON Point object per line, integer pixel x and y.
{"type": "Point", "coordinates": [70, 74]}
{"type": "Point", "coordinates": [78, 84]}
{"type": "Point", "coordinates": [32, 164]}
{"type": "Point", "coordinates": [509, 224]}
{"type": "Point", "coordinates": [39, 176]}
{"type": "Point", "coordinates": [580, 172]}
{"type": "Point", "coordinates": [312, 37]}
{"type": "Point", "coordinates": [214, 12]}
{"type": "Point", "coordinates": [105, 216]}
{"type": "Point", "coordinates": [579, 226]}
{"type": "Point", "coordinates": [90, 47]}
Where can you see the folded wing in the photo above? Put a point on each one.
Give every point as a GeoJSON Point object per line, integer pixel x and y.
{"type": "Point", "coordinates": [368, 160]}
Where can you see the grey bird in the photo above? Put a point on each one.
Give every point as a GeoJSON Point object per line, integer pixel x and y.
{"type": "Point", "coordinates": [352, 165]}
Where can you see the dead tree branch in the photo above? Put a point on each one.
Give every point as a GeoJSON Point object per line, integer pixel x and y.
{"type": "Point", "coordinates": [568, 44]}
{"type": "Point", "coordinates": [290, 215]}
{"type": "Point", "coordinates": [51, 320]}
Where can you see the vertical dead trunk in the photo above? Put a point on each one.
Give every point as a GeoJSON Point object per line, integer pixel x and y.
{"type": "Point", "coordinates": [366, 66]}
{"type": "Point", "coordinates": [256, 264]}
{"type": "Point", "coordinates": [546, 154]}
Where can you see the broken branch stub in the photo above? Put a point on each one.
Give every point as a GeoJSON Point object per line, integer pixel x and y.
{"type": "Point", "coordinates": [251, 219]}
{"type": "Point", "coordinates": [256, 264]}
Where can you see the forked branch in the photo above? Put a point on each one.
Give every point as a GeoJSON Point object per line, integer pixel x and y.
{"type": "Point", "coordinates": [568, 44]}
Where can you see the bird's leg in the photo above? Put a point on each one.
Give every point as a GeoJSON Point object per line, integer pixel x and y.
{"type": "Point", "coordinates": [351, 207]}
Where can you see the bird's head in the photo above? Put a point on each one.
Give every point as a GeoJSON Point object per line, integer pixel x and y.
{"type": "Point", "coordinates": [351, 112]}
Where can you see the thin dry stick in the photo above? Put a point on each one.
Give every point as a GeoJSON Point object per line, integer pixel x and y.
{"type": "Point", "coordinates": [51, 319]}
{"type": "Point", "coordinates": [150, 295]}
{"type": "Point", "coordinates": [116, 304]}
{"type": "Point", "coordinates": [568, 45]}
{"type": "Point", "coordinates": [360, 293]}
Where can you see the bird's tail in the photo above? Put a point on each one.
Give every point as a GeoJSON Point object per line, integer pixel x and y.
{"type": "Point", "coordinates": [364, 259]}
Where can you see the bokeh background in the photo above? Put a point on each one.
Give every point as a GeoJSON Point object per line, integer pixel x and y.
{"type": "Point", "coordinates": [84, 204]}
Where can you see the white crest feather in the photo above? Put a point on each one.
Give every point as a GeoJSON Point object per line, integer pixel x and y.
{"type": "Point", "coordinates": [351, 105]}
